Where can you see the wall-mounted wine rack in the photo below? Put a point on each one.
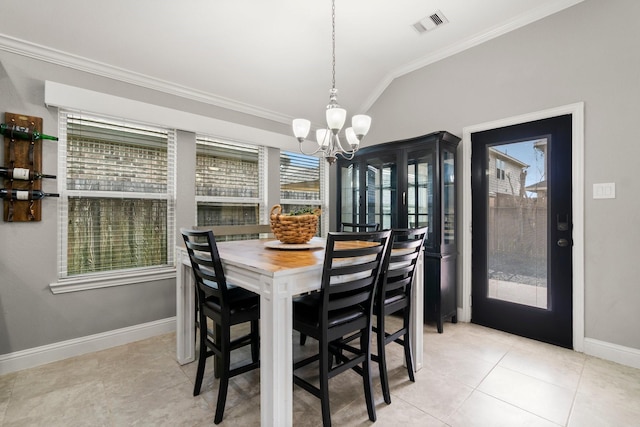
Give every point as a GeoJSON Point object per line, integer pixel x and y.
{"type": "Point", "coordinates": [22, 150]}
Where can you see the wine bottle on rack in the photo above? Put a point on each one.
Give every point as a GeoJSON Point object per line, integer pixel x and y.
{"type": "Point", "coordinates": [23, 174]}
{"type": "Point", "coordinates": [25, 194]}
{"type": "Point", "coordinates": [22, 132]}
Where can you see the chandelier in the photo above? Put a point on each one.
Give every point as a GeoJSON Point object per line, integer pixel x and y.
{"type": "Point", "coordinates": [328, 139]}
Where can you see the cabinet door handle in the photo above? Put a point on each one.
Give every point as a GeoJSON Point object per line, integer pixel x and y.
{"type": "Point", "coordinates": [404, 197]}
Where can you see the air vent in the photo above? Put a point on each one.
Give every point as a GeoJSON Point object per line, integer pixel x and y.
{"type": "Point", "coordinates": [430, 22]}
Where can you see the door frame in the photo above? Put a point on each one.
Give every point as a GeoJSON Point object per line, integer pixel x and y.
{"type": "Point", "coordinates": [577, 198]}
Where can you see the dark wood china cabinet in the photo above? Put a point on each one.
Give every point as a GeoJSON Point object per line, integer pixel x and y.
{"type": "Point", "coordinates": [407, 184]}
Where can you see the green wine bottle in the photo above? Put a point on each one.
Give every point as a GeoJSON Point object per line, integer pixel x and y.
{"type": "Point", "coordinates": [22, 132]}
{"type": "Point", "coordinates": [25, 194]}
{"type": "Point", "coordinates": [23, 174]}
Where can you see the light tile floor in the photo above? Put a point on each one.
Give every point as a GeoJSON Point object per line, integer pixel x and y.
{"type": "Point", "coordinates": [473, 376]}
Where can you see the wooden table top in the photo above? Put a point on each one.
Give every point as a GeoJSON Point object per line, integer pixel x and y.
{"type": "Point", "coordinates": [255, 254]}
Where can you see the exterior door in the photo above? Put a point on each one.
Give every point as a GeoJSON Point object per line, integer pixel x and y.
{"type": "Point", "coordinates": [521, 228]}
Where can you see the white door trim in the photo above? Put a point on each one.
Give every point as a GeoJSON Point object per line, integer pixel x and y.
{"type": "Point", "coordinates": [577, 198]}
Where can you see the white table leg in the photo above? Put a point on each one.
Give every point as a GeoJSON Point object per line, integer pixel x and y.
{"type": "Point", "coordinates": [185, 314]}
{"type": "Point", "coordinates": [417, 315]}
{"type": "Point", "coordinates": [276, 357]}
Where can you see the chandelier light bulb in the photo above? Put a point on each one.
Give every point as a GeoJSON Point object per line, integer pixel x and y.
{"type": "Point", "coordinates": [301, 129]}
{"type": "Point", "coordinates": [361, 125]}
{"type": "Point", "coordinates": [323, 137]}
{"type": "Point", "coordinates": [352, 139]}
{"type": "Point", "coordinates": [335, 118]}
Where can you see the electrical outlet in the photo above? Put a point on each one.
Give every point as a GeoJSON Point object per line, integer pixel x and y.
{"type": "Point", "coordinates": [605, 190]}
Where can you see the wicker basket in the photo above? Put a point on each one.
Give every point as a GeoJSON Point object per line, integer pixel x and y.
{"type": "Point", "coordinates": [293, 228]}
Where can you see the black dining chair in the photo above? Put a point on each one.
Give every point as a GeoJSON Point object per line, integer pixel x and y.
{"type": "Point", "coordinates": [342, 308]}
{"type": "Point", "coordinates": [394, 296]}
{"type": "Point", "coordinates": [225, 305]}
{"type": "Point", "coordinates": [355, 227]}
{"type": "Point", "coordinates": [350, 227]}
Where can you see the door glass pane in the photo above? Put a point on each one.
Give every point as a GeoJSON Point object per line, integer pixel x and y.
{"type": "Point", "coordinates": [420, 194]}
{"type": "Point", "coordinates": [517, 222]}
{"type": "Point", "coordinates": [349, 193]}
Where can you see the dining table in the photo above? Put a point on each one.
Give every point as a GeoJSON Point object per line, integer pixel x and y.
{"type": "Point", "coordinates": [277, 272]}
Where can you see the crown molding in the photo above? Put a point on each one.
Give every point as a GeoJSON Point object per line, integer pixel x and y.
{"type": "Point", "coordinates": [57, 57]}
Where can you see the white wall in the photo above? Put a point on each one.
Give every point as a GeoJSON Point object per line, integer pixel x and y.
{"type": "Point", "coordinates": [590, 53]}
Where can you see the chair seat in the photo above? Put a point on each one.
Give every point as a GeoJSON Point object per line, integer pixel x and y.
{"type": "Point", "coordinates": [391, 298]}
{"type": "Point", "coordinates": [239, 299]}
{"type": "Point", "coordinates": [306, 309]}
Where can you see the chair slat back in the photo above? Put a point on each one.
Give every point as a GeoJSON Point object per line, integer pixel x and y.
{"type": "Point", "coordinates": [205, 262]}
{"type": "Point", "coordinates": [399, 267]}
{"type": "Point", "coordinates": [359, 227]}
{"type": "Point", "coordinates": [352, 265]}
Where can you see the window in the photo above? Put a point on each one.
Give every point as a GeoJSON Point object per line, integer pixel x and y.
{"type": "Point", "coordinates": [229, 183]}
{"type": "Point", "coordinates": [301, 183]}
{"type": "Point", "coordinates": [500, 167]}
{"type": "Point", "coordinates": [117, 202]}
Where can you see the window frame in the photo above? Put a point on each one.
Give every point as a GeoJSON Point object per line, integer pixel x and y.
{"type": "Point", "coordinates": [260, 200]}
{"type": "Point", "coordinates": [85, 281]}
{"type": "Point", "coordinates": [323, 167]}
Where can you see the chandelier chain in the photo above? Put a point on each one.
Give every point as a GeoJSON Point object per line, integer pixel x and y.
{"type": "Point", "coordinates": [333, 40]}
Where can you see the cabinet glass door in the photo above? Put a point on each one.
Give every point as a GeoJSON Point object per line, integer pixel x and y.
{"type": "Point", "coordinates": [419, 197]}
{"type": "Point", "coordinates": [448, 197]}
{"type": "Point", "coordinates": [380, 204]}
{"type": "Point", "coordinates": [349, 193]}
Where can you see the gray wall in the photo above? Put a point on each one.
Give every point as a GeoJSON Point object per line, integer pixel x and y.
{"type": "Point", "coordinates": [586, 53]}
{"type": "Point", "coordinates": [589, 52]}
{"type": "Point", "coordinates": [30, 315]}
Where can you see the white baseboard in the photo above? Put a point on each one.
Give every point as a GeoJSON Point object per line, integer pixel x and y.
{"type": "Point", "coordinates": [616, 353]}
{"type": "Point", "coordinates": [37, 356]}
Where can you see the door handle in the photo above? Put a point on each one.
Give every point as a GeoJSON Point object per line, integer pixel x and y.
{"type": "Point", "coordinates": [563, 243]}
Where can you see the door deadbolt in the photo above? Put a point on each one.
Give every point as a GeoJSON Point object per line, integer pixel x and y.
{"type": "Point", "coordinates": [563, 243]}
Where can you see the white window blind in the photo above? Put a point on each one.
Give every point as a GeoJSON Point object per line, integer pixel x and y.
{"type": "Point", "coordinates": [299, 178]}
{"type": "Point", "coordinates": [301, 182]}
{"type": "Point", "coordinates": [117, 202]}
{"type": "Point", "coordinates": [230, 179]}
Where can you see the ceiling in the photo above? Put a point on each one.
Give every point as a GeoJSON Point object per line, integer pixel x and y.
{"type": "Point", "coordinates": [268, 58]}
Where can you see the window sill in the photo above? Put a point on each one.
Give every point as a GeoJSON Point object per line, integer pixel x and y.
{"type": "Point", "coordinates": [120, 279]}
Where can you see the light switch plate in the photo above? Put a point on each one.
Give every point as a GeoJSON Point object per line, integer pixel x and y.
{"type": "Point", "coordinates": [606, 190]}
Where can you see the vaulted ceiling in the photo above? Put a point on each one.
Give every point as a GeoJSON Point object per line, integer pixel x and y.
{"type": "Point", "coordinates": [271, 58]}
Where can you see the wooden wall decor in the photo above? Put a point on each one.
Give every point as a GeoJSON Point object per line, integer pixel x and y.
{"type": "Point", "coordinates": [25, 154]}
